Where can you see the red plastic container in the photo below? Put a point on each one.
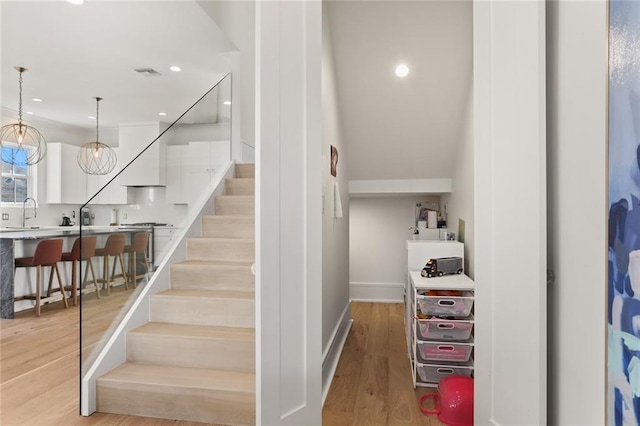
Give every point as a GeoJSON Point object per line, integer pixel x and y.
{"type": "Point", "coordinates": [454, 401]}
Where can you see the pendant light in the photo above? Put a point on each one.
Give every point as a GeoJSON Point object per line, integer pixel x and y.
{"type": "Point", "coordinates": [27, 143]}
{"type": "Point", "coordinates": [97, 158]}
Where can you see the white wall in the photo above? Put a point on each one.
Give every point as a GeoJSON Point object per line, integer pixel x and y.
{"type": "Point", "coordinates": [460, 203]}
{"type": "Point", "coordinates": [336, 314]}
{"type": "Point", "coordinates": [576, 119]}
{"type": "Point", "coordinates": [237, 20]}
{"type": "Point", "coordinates": [378, 230]}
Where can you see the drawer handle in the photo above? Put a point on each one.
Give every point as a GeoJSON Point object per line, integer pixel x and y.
{"type": "Point", "coordinates": [445, 348]}
{"type": "Point", "coordinates": [446, 326]}
{"type": "Point", "coordinates": [446, 302]}
{"type": "Point", "coordinates": [445, 371]}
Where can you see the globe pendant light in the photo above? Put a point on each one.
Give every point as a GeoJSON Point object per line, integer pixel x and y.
{"type": "Point", "coordinates": [27, 143]}
{"type": "Point", "coordinates": [97, 158]}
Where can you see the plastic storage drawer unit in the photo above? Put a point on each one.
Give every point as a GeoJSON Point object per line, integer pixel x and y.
{"type": "Point", "coordinates": [445, 351]}
{"type": "Point", "coordinates": [446, 306]}
{"type": "Point", "coordinates": [439, 329]}
{"type": "Point", "coordinates": [432, 373]}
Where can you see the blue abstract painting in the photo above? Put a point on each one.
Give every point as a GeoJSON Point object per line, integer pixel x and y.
{"type": "Point", "coordinates": [623, 286]}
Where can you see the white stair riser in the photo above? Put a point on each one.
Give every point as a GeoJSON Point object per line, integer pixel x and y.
{"type": "Point", "coordinates": [189, 277]}
{"type": "Point", "coordinates": [240, 187]}
{"type": "Point", "coordinates": [234, 250]}
{"type": "Point", "coordinates": [179, 403]}
{"type": "Point", "coordinates": [235, 206]}
{"type": "Point", "coordinates": [203, 311]}
{"type": "Point", "coordinates": [189, 351]}
{"type": "Point", "coordinates": [245, 170]}
{"type": "Point", "coordinates": [220, 229]}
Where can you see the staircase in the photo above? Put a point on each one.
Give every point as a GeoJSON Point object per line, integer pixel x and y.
{"type": "Point", "coordinates": [195, 360]}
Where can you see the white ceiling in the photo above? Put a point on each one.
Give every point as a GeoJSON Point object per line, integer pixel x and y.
{"type": "Point", "coordinates": [402, 128]}
{"type": "Point", "coordinates": [75, 53]}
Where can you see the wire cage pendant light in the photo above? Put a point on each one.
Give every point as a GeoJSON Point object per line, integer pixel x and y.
{"type": "Point", "coordinates": [27, 144]}
{"type": "Point", "coordinates": [97, 158]}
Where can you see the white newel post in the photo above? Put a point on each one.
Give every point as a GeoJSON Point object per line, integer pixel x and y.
{"type": "Point", "coordinates": [288, 212]}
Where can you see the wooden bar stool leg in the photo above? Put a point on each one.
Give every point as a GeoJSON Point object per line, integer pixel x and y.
{"type": "Point", "coordinates": [124, 271]}
{"type": "Point", "coordinates": [106, 275]}
{"type": "Point", "coordinates": [64, 296]}
{"type": "Point", "coordinates": [93, 275]}
{"type": "Point", "coordinates": [74, 282]}
{"type": "Point", "coordinates": [49, 287]}
{"type": "Point", "coordinates": [38, 283]}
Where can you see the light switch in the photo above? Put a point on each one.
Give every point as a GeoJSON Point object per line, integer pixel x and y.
{"type": "Point", "coordinates": [5, 216]}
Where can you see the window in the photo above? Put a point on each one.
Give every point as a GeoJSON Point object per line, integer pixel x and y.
{"type": "Point", "coordinates": [16, 178]}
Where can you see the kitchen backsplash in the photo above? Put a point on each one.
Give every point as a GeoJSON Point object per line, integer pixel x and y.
{"type": "Point", "coordinates": [150, 206]}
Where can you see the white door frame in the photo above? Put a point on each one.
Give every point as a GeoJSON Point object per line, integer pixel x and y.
{"type": "Point", "coordinates": [510, 212]}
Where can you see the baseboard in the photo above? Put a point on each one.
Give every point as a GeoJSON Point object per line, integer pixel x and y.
{"type": "Point", "coordinates": [376, 292]}
{"type": "Point", "coordinates": [332, 352]}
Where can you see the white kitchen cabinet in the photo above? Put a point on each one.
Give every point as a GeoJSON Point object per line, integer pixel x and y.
{"type": "Point", "coordinates": [149, 168]}
{"type": "Point", "coordinates": [177, 168]}
{"type": "Point", "coordinates": [438, 316]}
{"type": "Point", "coordinates": [204, 160]}
{"type": "Point", "coordinates": [163, 238]}
{"type": "Point", "coordinates": [66, 182]}
{"type": "Point", "coordinates": [115, 193]}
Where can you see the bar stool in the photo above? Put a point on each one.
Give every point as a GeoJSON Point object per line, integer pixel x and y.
{"type": "Point", "coordinates": [138, 246]}
{"type": "Point", "coordinates": [114, 247]}
{"type": "Point", "coordinates": [47, 253]}
{"type": "Point", "coordinates": [83, 249]}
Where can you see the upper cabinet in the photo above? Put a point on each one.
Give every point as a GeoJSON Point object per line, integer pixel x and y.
{"type": "Point", "coordinates": [66, 182]}
{"type": "Point", "coordinates": [115, 193]}
{"type": "Point", "coordinates": [177, 168]}
{"type": "Point", "coordinates": [149, 168]}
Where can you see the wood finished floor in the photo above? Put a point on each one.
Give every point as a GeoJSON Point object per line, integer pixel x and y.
{"type": "Point", "coordinates": [39, 370]}
{"type": "Point", "coordinates": [372, 384]}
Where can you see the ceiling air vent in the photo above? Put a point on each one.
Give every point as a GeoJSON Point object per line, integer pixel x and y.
{"type": "Point", "coordinates": [147, 72]}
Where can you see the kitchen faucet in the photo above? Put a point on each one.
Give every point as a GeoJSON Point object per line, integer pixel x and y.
{"type": "Point", "coordinates": [24, 206]}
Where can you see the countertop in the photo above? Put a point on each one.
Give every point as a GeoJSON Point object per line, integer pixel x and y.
{"type": "Point", "coordinates": [59, 231]}
{"type": "Point", "coordinates": [448, 282]}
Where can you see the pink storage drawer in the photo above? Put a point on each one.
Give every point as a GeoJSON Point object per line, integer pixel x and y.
{"type": "Point", "coordinates": [444, 351]}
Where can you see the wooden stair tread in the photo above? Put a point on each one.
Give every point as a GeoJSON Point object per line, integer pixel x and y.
{"type": "Point", "coordinates": [189, 330]}
{"type": "Point", "coordinates": [230, 218]}
{"type": "Point", "coordinates": [181, 377]}
{"type": "Point", "coordinates": [211, 294]}
{"type": "Point", "coordinates": [222, 239]}
{"type": "Point", "coordinates": [240, 264]}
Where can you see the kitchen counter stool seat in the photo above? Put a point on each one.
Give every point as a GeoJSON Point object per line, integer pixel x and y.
{"type": "Point", "coordinates": [114, 247]}
{"type": "Point", "coordinates": [47, 253]}
{"type": "Point", "coordinates": [84, 248]}
{"type": "Point", "coordinates": [137, 248]}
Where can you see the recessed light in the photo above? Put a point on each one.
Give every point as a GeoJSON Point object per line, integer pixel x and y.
{"type": "Point", "coordinates": [227, 102]}
{"type": "Point", "coordinates": [175, 68]}
{"type": "Point", "coordinates": [162, 113]}
{"type": "Point", "coordinates": [91, 117]}
{"type": "Point", "coordinates": [76, 1]}
{"type": "Point", "coordinates": [36, 100]}
{"type": "Point", "coordinates": [29, 112]}
{"type": "Point", "coordinates": [402, 70]}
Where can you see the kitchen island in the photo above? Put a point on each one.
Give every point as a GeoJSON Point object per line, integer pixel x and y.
{"type": "Point", "coordinates": [27, 238]}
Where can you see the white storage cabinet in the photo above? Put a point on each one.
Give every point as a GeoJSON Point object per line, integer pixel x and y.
{"type": "Point", "coordinates": [163, 238]}
{"type": "Point", "coordinates": [177, 169]}
{"type": "Point", "coordinates": [441, 332]}
{"type": "Point", "coordinates": [439, 324]}
{"type": "Point", "coordinates": [66, 182]}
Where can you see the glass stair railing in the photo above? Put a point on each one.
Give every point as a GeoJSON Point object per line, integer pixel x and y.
{"type": "Point", "coordinates": [139, 209]}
